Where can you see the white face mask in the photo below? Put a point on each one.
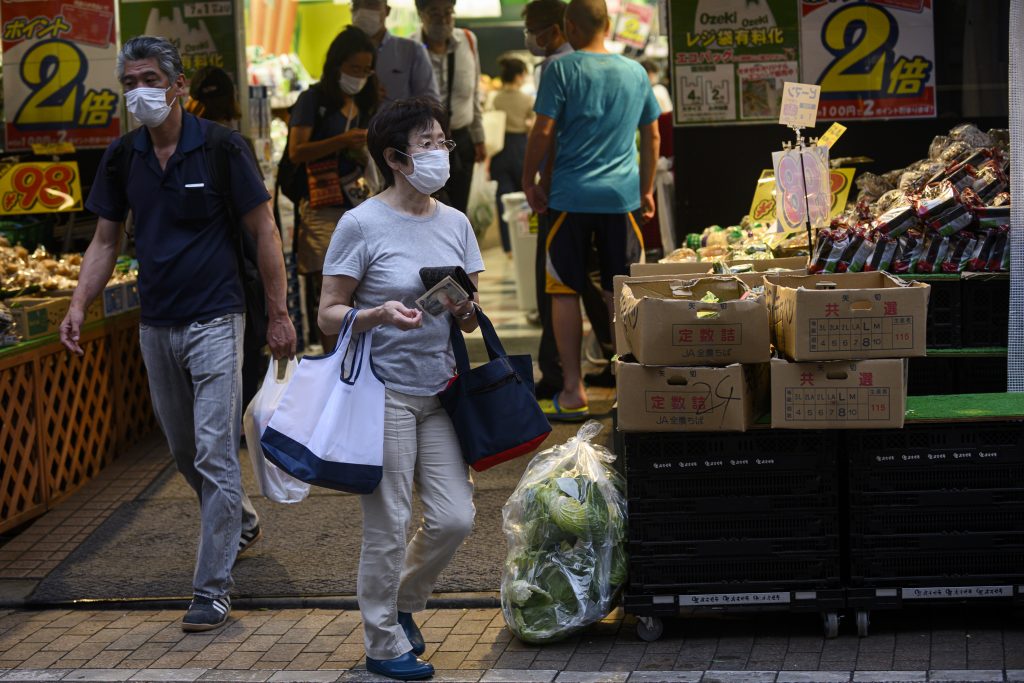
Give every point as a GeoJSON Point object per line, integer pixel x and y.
{"type": "Point", "coordinates": [430, 170]}
{"type": "Point", "coordinates": [531, 44]}
{"type": "Point", "coordinates": [148, 105]}
{"type": "Point", "coordinates": [367, 20]}
{"type": "Point", "coordinates": [350, 85]}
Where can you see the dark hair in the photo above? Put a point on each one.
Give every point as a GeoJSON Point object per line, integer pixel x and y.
{"type": "Point", "coordinates": [144, 47]}
{"type": "Point", "coordinates": [351, 41]}
{"type": "Point", "coordinates": [390, 127]}
{"type": "Point", "coordinates": [511, 68]}
{"type": "Point", "coordinates": [589, 16]}
{"type": "Point", "coordinates": [651, 66]}
{"type": "Point", "coordinates": [213, 95]}
{"type": "Point", "coordinates": [547, 12]}
{"type": "Point", "coordinates": [422, 4]}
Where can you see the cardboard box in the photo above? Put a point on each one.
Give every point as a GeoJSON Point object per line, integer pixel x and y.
{"type": "Point", "coordinates": [37, 316]}
{"type": "Point", "coordinates": [846, 316]}
{"type": "Point", "coordinates": [793, 263]}
{"type": "Point", "coordinates": [113, 299]}
{"type": "Point", "coordinates": [866, 394]}
{"type": "Point", "coordinates": [689, 399]}
{"type": "Point", "coordinates": [666, 323]}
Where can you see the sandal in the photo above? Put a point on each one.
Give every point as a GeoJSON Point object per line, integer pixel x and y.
{"type": "Point", "coordinates": [557, 413]}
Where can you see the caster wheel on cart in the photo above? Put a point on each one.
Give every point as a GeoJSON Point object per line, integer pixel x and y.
{"type": "Point", "coordinates": [863, 623]}
{"type": "Point", "coordinates": [830, 621]}
{"type": "Point", "coordinates": [649, 629]}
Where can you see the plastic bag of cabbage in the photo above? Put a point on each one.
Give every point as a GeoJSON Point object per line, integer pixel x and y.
{"type": "Point", "coordinates": [565, 524]}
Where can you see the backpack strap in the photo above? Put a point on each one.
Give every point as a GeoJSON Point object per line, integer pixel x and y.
{"type": "Point", "coordinates": [119, 165]}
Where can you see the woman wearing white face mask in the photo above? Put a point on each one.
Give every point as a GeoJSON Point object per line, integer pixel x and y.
{"type": "Point", "coordinates": [373, 265]}
{"type": "Point", "coordinates": [329, 123]}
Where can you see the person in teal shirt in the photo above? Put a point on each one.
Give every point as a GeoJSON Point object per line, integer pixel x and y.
{"type": "Point", "coordinates": [591, 102]}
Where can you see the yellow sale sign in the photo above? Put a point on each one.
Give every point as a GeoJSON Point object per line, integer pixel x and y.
{"type": "Point", "coordinates": [762, 208]}
{"type": "Point", "coordinates": [40, 187]}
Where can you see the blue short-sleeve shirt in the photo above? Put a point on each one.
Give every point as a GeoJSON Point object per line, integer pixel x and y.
{"type": "Point", "coordinates": [598, 101]}
{"type": "Point", "coordinates": [184, 241]}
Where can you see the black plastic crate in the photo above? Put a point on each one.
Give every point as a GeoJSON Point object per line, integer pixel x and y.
{"type": "Point", "coordinates": [724, 482]}
{"type": "Point", "coordinates": [985, 312]}
{"type": "Point", "coordinates": [989, 542]}
{"type": "Point", "coordinates": [944, 307]}
{"type": "Point", "coordinates": [676, 528]}
{"type": "Point", "coordinates": [981, 375]}
{"type": "Point", "coordinates": [733, 547]}
{"type": "Point", "coordinates": [759, 449]}
{"type": "Point", "coordinates": [745, 598]}
{"type": "Point", "coordinates": [716, 505]}
{"type": "Point", "coordinates": [931, 376]}
{"type": "Point", "coordinates": [900, 568]}
{"type": "Point", "coordinates": [801, 571]}
{"type": "Point", "coordinates": [980, 498]}
{"type": "Point", "coordinates": [964, 478]}
{"type": "Point", "coordinates": [925, 520]}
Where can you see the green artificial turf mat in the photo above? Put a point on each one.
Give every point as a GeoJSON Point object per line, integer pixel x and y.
{"type": "Point", "coordinates": [965, 407]}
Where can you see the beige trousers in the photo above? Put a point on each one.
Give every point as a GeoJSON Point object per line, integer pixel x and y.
{"type": "Point", "coordinates": [420, 447]}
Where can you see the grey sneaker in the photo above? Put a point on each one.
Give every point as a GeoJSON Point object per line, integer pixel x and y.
{"type": "Point", "coordinates": [206, 614]}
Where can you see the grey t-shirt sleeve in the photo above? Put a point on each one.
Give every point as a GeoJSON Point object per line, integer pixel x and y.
{"type": "Point", "coordinates": [474, 262]}
{"type": "Point", "coordinates": [347, 253]}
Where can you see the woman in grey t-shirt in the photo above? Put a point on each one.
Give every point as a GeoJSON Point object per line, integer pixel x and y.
{"type": "Point", "coordinates": [373, 264]}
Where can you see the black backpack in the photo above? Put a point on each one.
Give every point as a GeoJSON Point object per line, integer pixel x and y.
{"type": "Point", "coordinates": [291, 177]}
{"type": "Point", "coordinates": [216, 150]}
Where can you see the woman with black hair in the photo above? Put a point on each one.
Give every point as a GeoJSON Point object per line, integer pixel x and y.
{"type": "Point", "coordinates": [329, 122]}
{"type": "Point", "coordinates": [507, 165]}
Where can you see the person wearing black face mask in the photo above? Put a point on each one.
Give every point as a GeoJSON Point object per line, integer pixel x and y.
{"type": "Point", "coordinates": [329, 123]}
{"type": "Point", "coordinates": [456, 61]}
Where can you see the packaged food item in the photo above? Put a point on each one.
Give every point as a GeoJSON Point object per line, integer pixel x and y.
{"type": "Point", "coordinates": [896, 220]}
{"type": "Point", "coordinates": [881, 257]}
{"type": "Point", "coordinates": [933, 254]}
{"type": "Point", "coordinates": [908, 253]}
{"type": "Point", "coordinates": [680, 255]}
{"type": "Point", "coordinates": [969, 134]}
{"type": "Point", "coordinates": [959, 253]}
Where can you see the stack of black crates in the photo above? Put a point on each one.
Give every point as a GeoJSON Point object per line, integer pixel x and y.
{"type": "Point", "coordinates": [732, 520]}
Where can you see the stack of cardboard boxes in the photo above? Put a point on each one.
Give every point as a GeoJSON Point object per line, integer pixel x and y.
{"type": "Point", "coordinates": [693, 362]}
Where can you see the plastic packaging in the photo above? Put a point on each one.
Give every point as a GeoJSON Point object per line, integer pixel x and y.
{"type": "Point", "coordinates": [565, 524]}
{"type": "Point", "coordinates": [274, 483]}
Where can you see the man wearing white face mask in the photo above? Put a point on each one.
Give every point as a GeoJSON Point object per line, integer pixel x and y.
{"type": "Point", "coordinates": [456, 62]}
{"type": "Point", "coordinates": [402, 65]}
{"type": "Point", "coordinates": [192, 299]}
{"type": "Point", "coordinates": [373, 264]}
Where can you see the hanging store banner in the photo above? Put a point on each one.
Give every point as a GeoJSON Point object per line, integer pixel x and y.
{"type": "Point", "coordinates": [203, 32]}
{"type": "Point", "coordinates": [633, 25]}
{"type": "Point", "coordinates": [730, 59]}
{"type": "Point", "coordinates": [873, 59]}
{"type": "Point", "coordinates": [40, 187]}
{"type": "Point", "coordinates": [59, 84]}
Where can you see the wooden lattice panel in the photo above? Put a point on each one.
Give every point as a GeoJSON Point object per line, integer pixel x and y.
{"type": "Point", "coordinates": [134, 411]}
{"type": "Point", "coordinates": [78, 427]}
{"type": "Point", "coordinates": [22, 494]}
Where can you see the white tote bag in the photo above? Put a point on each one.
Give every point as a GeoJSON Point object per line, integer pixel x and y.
{"type": "Point", "coordinates": [273, 483]}
{"type": "Point", "coordinates": [328, 429]}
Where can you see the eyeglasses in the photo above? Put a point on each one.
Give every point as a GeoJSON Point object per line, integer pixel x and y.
{"type": "Point", "coordinates": [429, 146]}
{"type": "Point", "coordinates": [530, 32]}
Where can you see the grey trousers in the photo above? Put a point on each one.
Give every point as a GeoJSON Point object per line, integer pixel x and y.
{"type": "Point", "coordinates": [195, 384]}
{"type": "Point", "coordinates": [420, 447]}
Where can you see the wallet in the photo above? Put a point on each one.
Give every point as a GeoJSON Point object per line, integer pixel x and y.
{"type": "Point", "coordinates": [431, 276]}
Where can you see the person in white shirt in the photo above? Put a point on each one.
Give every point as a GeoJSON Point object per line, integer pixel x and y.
{"type": "Point", "coordinates": [402, 67]}
{"type": "Point", "coordinates": [456, 60]}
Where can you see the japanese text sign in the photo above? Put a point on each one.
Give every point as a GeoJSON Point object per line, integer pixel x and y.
{"type": "Point", "coordinates": [633, 25]}
{"type": "Point", "coordinates": [59, 85]}
{"type": "Point", "coordinates": [799, 105]}
{"type": "Point", "coordinates": [872, 59]}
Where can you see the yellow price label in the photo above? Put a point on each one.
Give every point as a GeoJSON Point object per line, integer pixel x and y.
{"type": "Point", "coordinates": [831, 135]}
{"type": "Point", "coordinates": [40, 187]}
{"type": "Point", "coordinates": [762, 207]}
{"type": "Point", "coordinates": [48, 148]}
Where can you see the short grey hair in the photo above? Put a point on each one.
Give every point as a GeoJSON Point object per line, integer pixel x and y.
{"type": "Point", "coordinates": [145, 47]}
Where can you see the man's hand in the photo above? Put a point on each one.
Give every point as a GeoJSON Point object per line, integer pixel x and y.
{"type": "Point", "coordinates": [647, 205]}
{"type": "Point", "coordinates": [479, 152]}
{"type": "Point", "coordinates": [281, 337]}
{"type": "Point", "coordinates": [396, 314]}
{"type": "Point", "coordinates": [71, 330]}
{"type": "Point", "coordinates": [537, 198]}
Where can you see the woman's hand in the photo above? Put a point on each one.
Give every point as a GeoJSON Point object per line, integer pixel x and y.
{"type": "Point", "coordinates": [353, 139]}
{"type": "Point", "coordinates": [396, 314]}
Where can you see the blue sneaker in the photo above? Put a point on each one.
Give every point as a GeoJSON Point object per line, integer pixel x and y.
{"type": "Point", "coordinates": [408, 667]}
{"type": "Point", "coordinates": [206, 614]}
{"type": "Point", "coordinates": [412, 632]}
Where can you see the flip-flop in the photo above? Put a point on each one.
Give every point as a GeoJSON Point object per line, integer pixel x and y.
{"type": "Point", "coordinates": [557, 413]}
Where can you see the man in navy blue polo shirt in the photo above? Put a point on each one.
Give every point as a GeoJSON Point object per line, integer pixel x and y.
{"type": "Point", "coordinates": [192, 302]}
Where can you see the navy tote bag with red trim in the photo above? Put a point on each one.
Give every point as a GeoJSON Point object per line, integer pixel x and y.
{"type": "Point", "coordinates": [492, 407]}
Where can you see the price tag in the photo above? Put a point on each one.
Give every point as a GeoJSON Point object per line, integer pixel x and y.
{"type": "Point", "coordinates": [799, 105]}
{"type": "Point", "coordinates": [40, 188]}
{"type": "Point", "coordinates": [831, 135]}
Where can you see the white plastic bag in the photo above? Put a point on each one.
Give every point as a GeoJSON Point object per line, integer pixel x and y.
{"type": "Point", "coordinates": [276, 485]}
{"type": "Point", "coordinates": [565, 524]}
{"type": "Point", "coordinates": [483, 200]}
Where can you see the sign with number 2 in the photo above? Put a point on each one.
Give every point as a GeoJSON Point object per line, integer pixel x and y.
{"type": "Point", "coordinates": [59, 84]}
